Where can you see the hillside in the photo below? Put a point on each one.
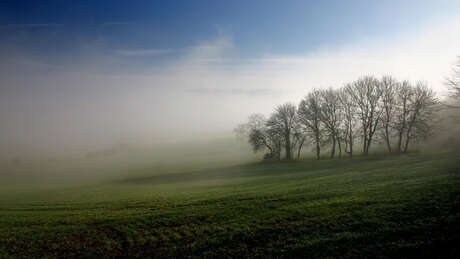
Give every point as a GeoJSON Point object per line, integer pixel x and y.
{"type": "Point", "coordinates": [396, 206]}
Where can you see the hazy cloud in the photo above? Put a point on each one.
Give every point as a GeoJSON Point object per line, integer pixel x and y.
{"type": "Point", "coordinates": [142, 52]}
{"type": "Point", "coordinates": [233, 91]}
{"type": "Point", "coordinates": [30, 63]}
{"type": "Point", "coordinates": [120, 23]}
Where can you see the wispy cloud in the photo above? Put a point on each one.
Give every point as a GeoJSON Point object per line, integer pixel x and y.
{"type": "Point", "coordinates": [142, 52]}
{"type": "Point", "coordinates": [120, 23]}
{"type": "Point", "coordinates": [233, 91]}
{"type": "Point", "coordinates": [29, 25]}
{"type": "Point", "coordinates": [30, 63]}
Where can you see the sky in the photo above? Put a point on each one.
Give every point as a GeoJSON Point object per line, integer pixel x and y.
{"type": "Point", "coordinates": [77, 74]}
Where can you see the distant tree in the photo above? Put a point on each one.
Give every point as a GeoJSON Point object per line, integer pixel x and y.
{"type": "Point", "coordinates": [349, 117]}
{"type": "Point", "coordinates": [388, 86]}
{"type": "Point", "coordinates": [255, 122]}
{"type": "Point", "coordinates": [300, 137]}
{"type": "Point", "coordinates": [310, 118]}
{"type": "Point", "coordinates": [275, 140]}
{"type": "Point", "coordinates": [259, 140]}
{"type": "Point", "coordinates": [335, 117]}
{"type": "Point", "coordinates": [453, 82]}
{"type": "Point", "coordinates": [423, 106]}
{"type": "Point", "coordinates": [366, 94]}
{"type": "Point", "coordinates": [283, 122]}
{"type": "Point", "coordinates": [331, 117]}
{"type": "Point", "coordinates": [259, 136]}
{"type": "Point", "coordinates": [404, 95]}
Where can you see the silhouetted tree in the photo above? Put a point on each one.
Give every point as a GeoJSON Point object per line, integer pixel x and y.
{"type": "Point", "coordinates": [423, 106]}
{"type": "Point", "coordinates": [331, 117]}
{"type": "Point", "coordinates": [259, 136]}
{"type": "Point", "coordinates": [453, 82]}
{"type": "Point", "coordinates": [366, 94]}
{"type": "Point", "coordinates": [310, 118]}
{"type": "Point", "coordinates": [349, 118]}
{"type": "Point", "coordinates": [300, 138]}
{"type": "Point", "coordinates": [389, 87]}
{"type": "Point", "coordinates": [404, 95]}
{"type": "Point", "coordinates": [283, 121]}
{"type": "Point", "coordinates": [255, 122]}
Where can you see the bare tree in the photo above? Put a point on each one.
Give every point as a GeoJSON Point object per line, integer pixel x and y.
{"type": "Point", "coordinates": [275, 141]}
{"type": "Point", "coordinates": [404, 95]}
{"type": "Point", "coordinates": [388, 86]}
{"type": "Point", "coordinates": [266, 139]}
{"type": "Point", "coordinates": [283, 121]}
{"type": "Point", "coordinates": [299, 138]}
{"type": "Point", "coordinates": [310, 118]}
{"type": "Point", "coordinates": [259, 140]}
{"type": "Point", "coordinates": [366, 94]}
{"type": "Point", "coordinates": [423, 106]}
{"type": "Point", "coordinates": [331, 117]}
{"type": "Point", "coordinates": [349, 117]}
{"type": "Point", "coordinates": [453, 82]}
{"type": "Point", "coordinates": [255, 121]}
{"type": "Point", "coordinates": [259, 136]}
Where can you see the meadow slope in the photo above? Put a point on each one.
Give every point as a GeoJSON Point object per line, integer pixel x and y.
{"type": "Point", "coordinates": [384, 206]}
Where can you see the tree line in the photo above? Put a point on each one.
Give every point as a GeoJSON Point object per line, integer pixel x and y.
{"type": "Point", "coordinates": [386, 110]}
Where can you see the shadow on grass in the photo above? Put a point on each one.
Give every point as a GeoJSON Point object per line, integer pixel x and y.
{"type": "Point", "coordinates": [312, 167]}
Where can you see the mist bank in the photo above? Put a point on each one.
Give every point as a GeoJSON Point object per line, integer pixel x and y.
{"type": "Point", "coordinates": [126, 160]}
{"type": "Point", "coordinates": [60, 105]}
{"type": "Point", "coordinates": [60, 144]}
{"type": "Point", "coordinates": [49, 149]}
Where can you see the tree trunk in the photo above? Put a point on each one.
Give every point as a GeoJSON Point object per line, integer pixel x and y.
{"type": "Point", "coordinates": [370, 136]}
{"type": "Point", "coordinates": [401, 130]}
{"type": "Point", "coordinates": [407, 140]}
{"type": "Point", "coordinates": [409, 128]}
{"type": "Point", "coordinates": [387, 136]}
{"type": "Point", "coordinates": [300, 147]}
{"type": "Point", "coordinates": [288, 148]}
{"type": "Point", "coordinates": [351, 146]}
{"type": "Point", "coordinates": [400, 139]}
{"type": "Point", "coordinates": [340, 148]}
{"type": "Point", "coordinates": [365, 146]}
{"type": "Point", "coordinates": [368, 146]}
{"type": "Point", "coordinates": [333, 148]}
{"type": "Point", "coordinates": [318, 149]}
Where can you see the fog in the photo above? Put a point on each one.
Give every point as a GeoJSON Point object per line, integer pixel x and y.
{"type": "Point", "coordinates": [66, 106]}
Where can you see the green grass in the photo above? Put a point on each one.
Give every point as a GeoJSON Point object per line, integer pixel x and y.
{"type": "Point", "coordinates": [385, 206]}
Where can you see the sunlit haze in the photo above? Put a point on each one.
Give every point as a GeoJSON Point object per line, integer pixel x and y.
{"type": "Point", "coordinates": [75, 76]}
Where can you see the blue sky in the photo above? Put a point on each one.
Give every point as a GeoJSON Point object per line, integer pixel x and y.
{"type": "Point", "coordinates": [85, 73]}
{"type": "Point", "coordinates": [53, 29]}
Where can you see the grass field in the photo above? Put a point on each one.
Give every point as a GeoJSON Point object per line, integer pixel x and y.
{"type": "Point", "coordinates": [403, 206]}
